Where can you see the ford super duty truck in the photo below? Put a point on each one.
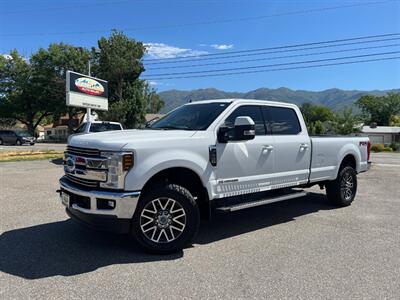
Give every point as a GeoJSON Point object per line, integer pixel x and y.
{"type": "Point", "coordinates": [203, 157]}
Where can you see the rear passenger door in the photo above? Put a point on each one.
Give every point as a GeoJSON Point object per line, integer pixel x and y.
{"type": "Point", "coordinates": [292, 146]}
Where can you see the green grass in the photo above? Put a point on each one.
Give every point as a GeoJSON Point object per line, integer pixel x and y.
{"type": "Point", "coordinates": [10, 156]}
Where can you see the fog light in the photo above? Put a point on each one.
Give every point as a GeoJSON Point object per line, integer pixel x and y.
{"type": "Point", "coordinates": [105, 203]}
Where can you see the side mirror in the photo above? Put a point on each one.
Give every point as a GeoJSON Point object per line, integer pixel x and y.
{"type": "Point", "coordinates": [244, 129]}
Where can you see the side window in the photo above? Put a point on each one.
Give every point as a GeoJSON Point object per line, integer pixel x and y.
{"type": "Point", "coordinates": [281, 120]}
{"type": "Point", "coordinates": [252, 111]}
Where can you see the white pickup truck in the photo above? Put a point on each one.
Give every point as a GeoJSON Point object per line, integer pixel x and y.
{"type": "Point", "coordinates": [206, 156]}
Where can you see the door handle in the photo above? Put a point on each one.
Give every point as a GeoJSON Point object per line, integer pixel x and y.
{"type": "Point", "coordinates": [303, 146]}
{"type": "Point", "coordinates": [268, 148]}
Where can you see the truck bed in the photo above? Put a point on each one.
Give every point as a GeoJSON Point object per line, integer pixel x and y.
{"type": "Point", "coordinates": [328, 152]}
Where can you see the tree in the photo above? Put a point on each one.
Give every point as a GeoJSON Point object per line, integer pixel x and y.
{"type": "Point", "coordinates": [315, 116]}
{"type": "Point", "coordinates": [51, 66]}
{"type": "Point", "coordinates": [321, 120]}
{"type": "Point", "coordinates": [379, 109]}
{"type": "Point", "coordinates": [346, 121]}
{"type": "Point", "coordinates": [21, 93]}
{"type": "Point", "coordinates": [120, 63]}
{"type": "Point", "coordinates": [154, 102]}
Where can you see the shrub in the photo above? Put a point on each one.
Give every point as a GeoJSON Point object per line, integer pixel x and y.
{"type": "Point", "coordinates": [394, 146]}
{"type": "Point", "coordinates": [388, 149]}
{"type": "Point", "coordinates": [377, 147]}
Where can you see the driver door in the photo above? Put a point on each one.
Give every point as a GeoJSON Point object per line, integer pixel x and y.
{"type": "Point", "coordinates": [245, 166]}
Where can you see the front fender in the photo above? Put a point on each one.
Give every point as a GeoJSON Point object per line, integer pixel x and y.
{"type": "Point", "coordinates": [149, 165]}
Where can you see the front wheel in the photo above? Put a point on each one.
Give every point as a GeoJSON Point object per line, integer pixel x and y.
{"type": "Point", "coordinates": [166, 219]}
{"type": "Point", "coordinates": [1, 142]}
{"type": "Point", "coordinates": [18, 142]}
{"type": "Point", "coordinates": [343, 189]}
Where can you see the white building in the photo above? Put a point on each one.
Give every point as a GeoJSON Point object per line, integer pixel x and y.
{"type": "Point", "coordinates": [382, 134]}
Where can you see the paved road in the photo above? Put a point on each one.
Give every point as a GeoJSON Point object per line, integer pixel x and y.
{"type": "Point", "coordinates": [302, 248]}
{"type": "Point", "coordinates": [38, 146]}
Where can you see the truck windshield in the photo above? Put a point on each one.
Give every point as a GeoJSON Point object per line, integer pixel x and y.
{"type": "Point", "coordinates": [191, 117]}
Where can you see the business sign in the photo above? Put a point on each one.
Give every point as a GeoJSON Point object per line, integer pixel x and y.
{"type": "Point", "coordinates": [86, 91]}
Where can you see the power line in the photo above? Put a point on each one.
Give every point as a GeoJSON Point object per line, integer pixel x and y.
{"type": "Point", "coordinates": [273, 65]}
{"type": "Point", "coordinates": [274, 52]}
{"type": "Point", "coordinates": [279, 69]}
{"type": "Point", "coordinates": [277, 47]}
{"type": "Point", "coordinates": [299, 12]}
{"type": "Point", "coordinates": [271, 58]}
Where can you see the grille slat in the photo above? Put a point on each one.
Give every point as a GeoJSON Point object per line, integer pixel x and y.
{"type": "Point", "coordinates": [83, 151]}
{"type": "Point", "coordinates": [84, 182]}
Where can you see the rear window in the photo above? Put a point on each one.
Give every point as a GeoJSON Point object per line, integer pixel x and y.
{"type": "Point", "coordinates": [99, 127]}
{"type": "Point", "coordinates": [281, 120]}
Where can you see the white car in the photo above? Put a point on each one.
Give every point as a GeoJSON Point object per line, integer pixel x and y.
{"type": "Point", "coordinates": [206, 156]}
{"type": "Point", "coordinates": [97, 126]}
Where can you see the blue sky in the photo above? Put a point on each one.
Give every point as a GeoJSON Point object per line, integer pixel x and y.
{"type": "Point", "coordinates": [28, 25]}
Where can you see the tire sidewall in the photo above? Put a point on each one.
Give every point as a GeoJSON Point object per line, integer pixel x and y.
{"type": "Point", "coordinates": [186, 200]}
{"type": "Point", "coordinates": [348, 170]}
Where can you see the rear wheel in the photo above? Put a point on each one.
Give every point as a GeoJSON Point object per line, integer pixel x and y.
{"type": "Point", "coordinates": [18, 143]}
{"type": "Point", "coordinates": [343, 189]}
{"type": "Point", "coordinates": [166, 219]}
{"type": "Point", "coordinates": [1, 142]}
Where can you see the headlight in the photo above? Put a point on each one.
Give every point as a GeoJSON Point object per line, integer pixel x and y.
{"type": "Point", "coordinates": [118, 163]}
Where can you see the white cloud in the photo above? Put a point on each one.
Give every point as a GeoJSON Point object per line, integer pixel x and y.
{"type": "Point", "coordinates": [160, 50]}
{"type": "Point", "coordinates": [155, 83]}
{"type": "Point", "coordinates": [222, 46]}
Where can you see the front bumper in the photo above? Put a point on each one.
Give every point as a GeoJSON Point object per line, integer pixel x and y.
{"type": "Point", "coordinates": [125, 202]}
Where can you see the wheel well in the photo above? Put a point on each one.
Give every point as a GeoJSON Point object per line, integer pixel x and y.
{"type": "Point", "coordinates": [189, 180]}
{"type": "Point", "coordinates": [349, 160]}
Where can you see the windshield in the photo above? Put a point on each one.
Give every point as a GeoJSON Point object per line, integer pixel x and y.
{"type": "Point", "coordinates": [191, 117]}
{"type": "Point", "coordinates": [99, 127]}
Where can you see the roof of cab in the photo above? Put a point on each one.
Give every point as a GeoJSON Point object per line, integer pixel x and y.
{"type": "Point", "coordinates": [235, 100]}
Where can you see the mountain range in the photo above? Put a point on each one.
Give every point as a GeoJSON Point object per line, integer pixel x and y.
{"type": "Point", "coordinates": [335, 99]}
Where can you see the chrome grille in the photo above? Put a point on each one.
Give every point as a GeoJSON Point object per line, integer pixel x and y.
{"type": "Point", "coordinates": [83, 151]}
{"type": "Point", "coordinates": [83, 182]}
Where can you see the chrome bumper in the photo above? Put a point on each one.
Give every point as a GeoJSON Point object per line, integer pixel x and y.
{"type": "Point", "coordinates": [125, 202]}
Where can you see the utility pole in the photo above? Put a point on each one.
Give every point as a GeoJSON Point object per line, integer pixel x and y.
{"type": "Point", "coordinates": [88, 109]}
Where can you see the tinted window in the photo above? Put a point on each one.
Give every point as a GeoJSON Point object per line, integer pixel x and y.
{"type": "Point", "coordinates": [81, 128]}
{"type": "Point", "coordinates": [251, 111]}
{"type": "Point", "coordinates": [281, 120]}
{"type": "Point", "coordinates": [99, 127]}
{"type": "Point", "coordinates": [191, 117]}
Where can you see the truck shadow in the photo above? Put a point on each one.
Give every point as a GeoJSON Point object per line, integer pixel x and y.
{"type": "Point", "coordinates": [66, 249]}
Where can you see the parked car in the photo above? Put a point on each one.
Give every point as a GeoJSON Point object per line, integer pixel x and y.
{"type": "Point", "coordinates": [203, 157]}
{"type": "Point", "coordinates": [16, 137]}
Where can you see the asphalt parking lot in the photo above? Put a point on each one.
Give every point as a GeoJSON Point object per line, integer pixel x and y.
{"type": "Point", "coordinates": [301, 248]}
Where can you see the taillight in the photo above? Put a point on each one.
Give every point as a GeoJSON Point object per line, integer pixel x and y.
{"type": "Point", "coordinates": [369, 151]}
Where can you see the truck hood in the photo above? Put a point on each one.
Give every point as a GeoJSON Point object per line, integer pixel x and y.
{"type": "Point", "coordinates": [116, 140]}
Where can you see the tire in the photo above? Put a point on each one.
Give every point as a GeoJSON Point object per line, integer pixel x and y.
{"type": "Point", "coordinates": [159, 216]}
{"type": "Point", "coordinates": [343, 189]}
{"type": "Point", "coordinates": [18, 143]}
{"type": "Point", "coordinates": [32, 144]}
{"type": "Point", "coordinates": [1, 142]}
